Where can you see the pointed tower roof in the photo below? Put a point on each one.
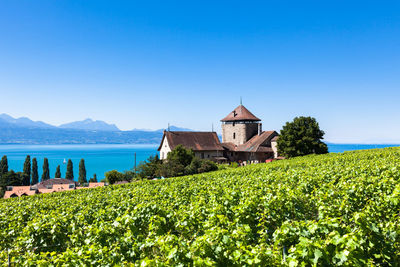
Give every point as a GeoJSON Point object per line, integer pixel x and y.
{"type": "Point", "coordinates": [241, 113]}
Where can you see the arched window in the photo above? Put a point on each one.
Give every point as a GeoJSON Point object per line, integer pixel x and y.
{"type": "Point", "coordinates": [234, 135]}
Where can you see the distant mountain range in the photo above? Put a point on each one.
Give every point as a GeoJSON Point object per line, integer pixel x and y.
{"type": "Point", "coordinates": [26, 131]}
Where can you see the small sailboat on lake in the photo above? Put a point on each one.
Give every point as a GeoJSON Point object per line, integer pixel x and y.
{"type": "Point", "coordinates": [64, 161]}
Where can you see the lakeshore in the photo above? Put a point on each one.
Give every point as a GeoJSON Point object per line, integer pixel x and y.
{"type": "Point", "coordinates": [101, 158]}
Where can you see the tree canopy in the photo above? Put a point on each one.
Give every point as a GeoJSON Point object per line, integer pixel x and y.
{"type": "Point", "coordinates": [35, 174]}
{"type": "Point", "coordinates": [27, 171]}
{"type": "Point", "coordinates": [82, 172]}
{"type": "Point", "coordinates": [58, 172]}
{"type": "Point", "coordinates": [46, 171]}
{"type": "Point", "coordinates": [301, 137]}
{"type": "Point", "coordinates": [70, 171]}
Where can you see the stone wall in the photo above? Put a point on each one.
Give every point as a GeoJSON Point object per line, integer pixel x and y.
{"type": "Point", "coordinates": [238, 133]}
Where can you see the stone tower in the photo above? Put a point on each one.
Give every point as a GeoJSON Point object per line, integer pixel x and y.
{"type": "Point", "coordinates": [239, 126]}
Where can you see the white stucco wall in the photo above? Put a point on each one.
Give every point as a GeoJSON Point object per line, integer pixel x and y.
{"type": "Point", "coordinates": [165, 149]}
{"type": "Point", "coordinates": [274, 146]}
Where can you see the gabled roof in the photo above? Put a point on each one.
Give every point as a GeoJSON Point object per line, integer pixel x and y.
{"type": "Point", "coordinates": [241, 113]}
{"type": "Point", "coordinates": [54, 181]}
{"type": "Point", "coordinates": [256, 143]}
{"type": "Point", "coordinates": [197, 141]}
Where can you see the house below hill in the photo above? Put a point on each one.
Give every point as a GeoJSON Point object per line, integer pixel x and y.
{"type": "Point", "coordinates": [242, 140]}
{"type": "Point", "coordinates": [47, 186]}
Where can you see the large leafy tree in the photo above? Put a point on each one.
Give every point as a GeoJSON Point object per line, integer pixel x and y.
{"type": "Point", "coordinates": [301, 137]}
{"type": "Point", "coordinates": [181, 155]}
{"type": "Point", "coordinates": [58, 172]}
{"type": "Point", "coordinates": [70, 171]}
{"type": "Point", "coordinates": [35, 174]}
{"type": "Point", "coordinates": [46, 171]}
{"type": "Point", "coordinates": [114, 176]}
{"type": "Point", "coordinates": [27, 171]}
{"type": "Point", "coordinates": [82, 172]}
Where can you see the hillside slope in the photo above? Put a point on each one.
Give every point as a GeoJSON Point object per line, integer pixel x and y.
{"type": "Point", "coordinates": [317, 210]}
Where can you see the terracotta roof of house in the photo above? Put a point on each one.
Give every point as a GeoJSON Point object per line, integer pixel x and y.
{"type": "Point", "coordinates": [20, 191]}
{"type": "Point", "coordinates": [197, 141]}
{"type": "Point", "coordinates": [255, 144]}
{"type": "Point", "coordinates": [92, 185]}
{"type": "Point", "coordinates": [229, 146]}
{"type": "Point", "coordinates": [54, 181]}
{"type": "Point", "coordinates": [241, 113]}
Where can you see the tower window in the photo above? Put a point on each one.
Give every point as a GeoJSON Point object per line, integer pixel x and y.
{"type": "Point", "coordinates": [234, 135]}
{"type": "Point", "coordinates": [233, 124]}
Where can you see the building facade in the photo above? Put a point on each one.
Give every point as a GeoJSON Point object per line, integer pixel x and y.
{"type": "Point", "coordinates": [242, 140]}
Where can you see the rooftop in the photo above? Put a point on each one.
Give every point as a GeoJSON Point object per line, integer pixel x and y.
{"type": "Point", "coordinates": [197, 141]}
{"type": "Point", "coordinates": [241, 113]}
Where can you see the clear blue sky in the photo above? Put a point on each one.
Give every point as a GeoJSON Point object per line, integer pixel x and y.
{"type": "Point", "coordinates": [142, 64]}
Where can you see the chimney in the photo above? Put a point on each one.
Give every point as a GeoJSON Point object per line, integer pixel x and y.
{"type": "Point", "coordinates": [259, 128]}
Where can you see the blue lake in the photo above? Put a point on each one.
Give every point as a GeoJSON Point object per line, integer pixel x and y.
{"type": "Point", "coordinates": [102, 158]}
{"type": "Point", "coordinates": [98, 158]}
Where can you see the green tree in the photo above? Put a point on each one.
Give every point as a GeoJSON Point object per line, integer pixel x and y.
{"type": "Point", "coordinates": [181, 155]}
{"type": "Point", "coordinates": [114, 176]}
{"type": "Point", "coordinates": [27, 171]}
{"type": "Point", "coordinates": [3, 165]}
{"type": "Point", "coordinates": [70, 171]}
{"type": "Point", "coordinates": [35, 174]}
{"type": "Point", "coordinates": [82, 172]}
{"type": "Point", "coordinates": [301, 137]}
{"type": "Point", "coordinates": [58, 172]}
{"type": "Point", "coordinates": [93, 179]}
{"type": "Point", "coordinates": [46, 171]}
{"type": "Point", "coordinates": [148, 168]}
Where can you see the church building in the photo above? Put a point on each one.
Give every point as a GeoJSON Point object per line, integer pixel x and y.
{"type": "Point", "coordinates": [242, 140]}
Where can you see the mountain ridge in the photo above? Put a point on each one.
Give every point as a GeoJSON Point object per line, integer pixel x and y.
{"type": "Point", "coordinates": [26, 131]}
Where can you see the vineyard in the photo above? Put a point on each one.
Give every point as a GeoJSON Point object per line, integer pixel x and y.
{"type": "Point", "coordinates": [334, 209]}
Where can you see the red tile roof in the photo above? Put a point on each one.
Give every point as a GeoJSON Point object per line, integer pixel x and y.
{"type": "Point", "coordinates": [55, 181]}
{"type": "Point", "coordinates": [256, 143]}
{"type": "Point", "coordinates": [240, 114]}
{"type": "Point", "coordinates": [197, 141]}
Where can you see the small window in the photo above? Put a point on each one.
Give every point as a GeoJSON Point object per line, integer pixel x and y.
{"type": "Point", "coordinates": [234, 135]}
{"type": "Point", "coordinates": [202, 155]}
{"type": "Point", "coordinates": [233, 124]}
{"type": "Point", "coordinates": [208, 155]}
{"type": "Point", "coordinates": [162, 155]}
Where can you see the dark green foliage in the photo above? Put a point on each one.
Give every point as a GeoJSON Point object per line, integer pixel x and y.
{"type": "Point", "coordinates": [3, 165]}
{"type": "Point", "coordinates": [93, 179]}
{"type": "Point", "coordinates": [207, 166]}
{"type": "Point", "coordinates": [180, 161]}
{"type": "Point", "coordinates": [301, 137]}
{"type": "Point", "coordinates": [181, 155]}
{"type": "Point", "coordinates": [82, 172]}
{"type": "Point", "coordinates": [46, 171]}
{"type": "Point", "coordinates": [12, 178]}
{"type": "Point", "coordinates": [35, 175]}
{"type": "Point", "coordinates": [27, 171]}
{"type": "Point", "coordinates": [58, 172]}
{"type": "Point", "coordinates": [114, 176]}
{"type": "Point", "coordinates": [149, 167]}
{"type": "Point", "coordinates": [70, 171]}
{"type": "Point", "coordinates": [171, 168]}
{"type": "Point", "coordinates": [193, 167]}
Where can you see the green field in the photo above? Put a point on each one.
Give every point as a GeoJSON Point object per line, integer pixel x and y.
{"type": "Point", "coordinates": [334, 209]}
